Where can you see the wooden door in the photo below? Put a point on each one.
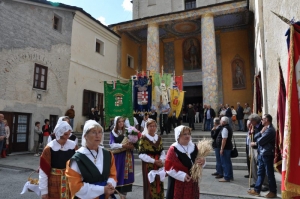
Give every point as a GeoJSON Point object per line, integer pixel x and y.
{"type": "Point", "coordinates": [20, 132]}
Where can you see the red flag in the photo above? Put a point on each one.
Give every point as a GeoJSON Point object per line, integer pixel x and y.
{"type": "Point", "coordinates": [178, 82]}
{"type": "Point", "coordinates": [291, 153]}
{"type": "Point", "coordinates": [258, 94]}
{"type": "Point", "coordinates": [281, 100]}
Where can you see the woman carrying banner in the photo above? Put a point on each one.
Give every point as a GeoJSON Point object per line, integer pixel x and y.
{"type": "Point", "coordinates": [180, 158]}
{"type": "Point", "coordinates": [92, 171]}
{"type": "Point", "coordinates": [52, 180]}
{"type": "Point", "coordinates": [153, 157]}
{"type": "Point", "coordinates": [123, 153]}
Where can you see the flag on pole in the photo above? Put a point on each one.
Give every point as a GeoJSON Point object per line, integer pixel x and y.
{"type": "Point", "coordinates": [281, 100]}
{"type": "Point", "coordinates": [291, 153]}
{"type": "Point", "coordinates": [118, 100]}
{"type": "Point", "coordinates": [178, 82]}
{"type": "Point", "coordinates": [142, 97]}
{"type": "Point", "coordinates": [176, 101]}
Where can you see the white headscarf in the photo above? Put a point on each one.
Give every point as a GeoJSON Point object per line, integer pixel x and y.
{"type": "Point", "coordinates": [60, 128]}
{"type": "Point", "coordinates": [60, 119]}
{"type": "Point", "coordinates": [177, 132]}
{"type": "Point", "coordinates": [115, 121]}
{"type": "Point", "coordinates": [145, 131]}
{"type": "Point", "coordinates": [88, 126]}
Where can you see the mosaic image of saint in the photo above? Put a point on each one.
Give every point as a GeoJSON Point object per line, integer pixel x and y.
{"type": "Point", "coordinates": [191, 50]}
{"type": "Point", "coordinates": [238, 75]}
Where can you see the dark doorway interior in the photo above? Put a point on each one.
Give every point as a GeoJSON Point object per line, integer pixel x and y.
{"type": "Point", "coordinates": [193, 95]}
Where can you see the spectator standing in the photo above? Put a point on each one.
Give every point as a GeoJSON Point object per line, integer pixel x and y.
{"type": "Point", "coordinates": [209, 116]}
{"type": "Point", "coordinates": [71, 114]}
{"type": "Point", "coordinates": [146, 116]}
{"type": "Point", "coordinates": [37, 134]}
{"type": "Point", "coordinates": [254, 128]}
{"type": "Point", "coordinates": [153, 114]}
{"type": "Point", "coordinates": [47, 130]}
{"type": "Point", "coordinates": [214, 134]}
{"type": "Point", "coordinates": [228, 114]}
{"type": "Point", "coordinates": [225, 145]}
{"type": "Point", "coordinates": [240, 116]}
{"type": "Point", "coordinates": [265, 141]}
{"type": "Point", "coordinates": [2, 132]}
{"type": "Point", "coordinates": [163, 118]}
{"type": "Point", "coordinates": [6, 140]}
{"type": "Point", "coordinates": [233, 118]}
{"type": "Point", "coordinates": [92, 114]}
{"type": "Point", "coordinates": [96, 113]}
{"type": "Point", "coordinates": [191, 115]}
{"type": "Point", "coordinates": [247, 112]}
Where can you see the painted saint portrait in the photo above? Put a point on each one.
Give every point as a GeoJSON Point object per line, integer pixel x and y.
{"type": "Point", "coordinates": [191, 54]}
{"type": "Point", "coordinates": [238, 73]}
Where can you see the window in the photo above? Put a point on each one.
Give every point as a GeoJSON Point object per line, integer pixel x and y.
{"type": "Point", "coordinates": [40, 77]}
{"type": "Point", "coordinates": [57, 22]}
{"type": "Point", "coordinates": [99, 46]}
{"type": "Point", "coordinates": [190, 4]}
{"type": "Point", "coordinates": [92, 99]}
{"type": "Point", "coordinates": [130, 61]}
{"type": "Point", "coordinates": [151, 2]}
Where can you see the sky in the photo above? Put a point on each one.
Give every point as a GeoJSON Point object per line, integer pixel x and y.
{"type": "Point", "coordinates": [106, 11]}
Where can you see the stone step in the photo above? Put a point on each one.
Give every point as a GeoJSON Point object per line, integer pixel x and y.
{"type": "Point", "coordinates": [235, 166]}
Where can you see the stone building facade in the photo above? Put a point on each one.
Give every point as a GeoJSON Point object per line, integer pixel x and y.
{"type": "Point", "coordinates": [210, 43]}
{"type": "Point", "coordinates": [51, 55]}
{"type": "Point", "coordinates": [270, 46]}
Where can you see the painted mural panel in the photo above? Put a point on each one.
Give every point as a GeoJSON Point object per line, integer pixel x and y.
{"type": "Point", "coordinates": [192, 54]}
{"type": "Point", "coordinates": [238, 73]}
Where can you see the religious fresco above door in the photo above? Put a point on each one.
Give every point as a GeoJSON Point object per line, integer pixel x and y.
{"type": "Point", "coordinates": [191, 50]}
{"type": "Point", "coordinates": [238, 73]}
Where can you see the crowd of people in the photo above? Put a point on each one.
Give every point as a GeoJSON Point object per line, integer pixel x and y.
{"type": "Point", "coordinates": [93, 171]}
{"type": "Point", "coordinates": [260, 146]}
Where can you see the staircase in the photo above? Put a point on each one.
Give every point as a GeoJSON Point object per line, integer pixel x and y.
{"type": "Point", "coordinates": [238, 163]}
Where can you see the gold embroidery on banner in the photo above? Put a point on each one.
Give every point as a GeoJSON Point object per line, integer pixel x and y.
{"type": "Point", "coordinates": [290, 188]}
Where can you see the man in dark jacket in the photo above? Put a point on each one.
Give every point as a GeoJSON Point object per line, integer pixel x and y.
{"type": "Point", "coordinates": [254, 128]}
{"type": "Point", "coordinates": [214, 134]}
{"type": "Point", "coordinates": [191, 116]}
{"type": "Point", "coordinates": [240, 116]}
{"type": "Point", "coordinates": [265, 141]}
{"type": "Point", "coordinates": [209, 115]}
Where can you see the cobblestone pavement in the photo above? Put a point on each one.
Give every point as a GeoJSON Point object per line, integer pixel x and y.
{"type": "Point", "coordinates": [12, 182]}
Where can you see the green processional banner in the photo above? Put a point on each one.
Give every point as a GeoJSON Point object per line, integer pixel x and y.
{"type": "Point", "coordinates": [118, 100]}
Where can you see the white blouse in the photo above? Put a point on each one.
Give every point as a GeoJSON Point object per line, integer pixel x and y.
{"type": "Point", "coordinates": [147, 158]}
{"type": "Point", "coordinates": [90, 191]}
{"type": "Point", "coordinates": [55, 146]}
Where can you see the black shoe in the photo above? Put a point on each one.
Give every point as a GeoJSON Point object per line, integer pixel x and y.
{"type": "Point", "coordinates": [252, 186]}
{"type": "Point", "coordinates": [246, 176]}
{"type": "Point", "coordinates": [215, 174]}
{"type": "Point", "coordinates": [264, 189]}
{"type": "Point", "coordinates": [219, 176]}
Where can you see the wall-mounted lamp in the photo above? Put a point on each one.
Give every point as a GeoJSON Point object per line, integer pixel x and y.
{"type": "Point", "coordinates": [39, 96]}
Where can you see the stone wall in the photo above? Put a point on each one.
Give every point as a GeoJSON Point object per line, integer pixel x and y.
{"type": "Point", "coordinates": [27, 38]}
{"type": "Point", "coordinates": [142, 8]}
{"type": "Point", "coordinates": [270, 45]}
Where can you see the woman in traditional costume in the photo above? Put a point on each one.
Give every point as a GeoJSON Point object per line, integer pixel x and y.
{"type": "Point", "coordinates": [180, 158]}
{"type": "Point", "coordinates": [153, 157]}
{"type": "Point", "coordinates": [91, 171]}
{"type": "Point", "coordinates": [123, 152]}
{"type": "Point", "coordinates": [52, 180]}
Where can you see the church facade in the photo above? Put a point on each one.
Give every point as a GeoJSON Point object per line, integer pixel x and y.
{"type": "Point", "coordinates": [210, 44]}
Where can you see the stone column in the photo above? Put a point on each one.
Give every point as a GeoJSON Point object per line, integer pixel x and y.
{"type": "Point", "coordinates": [153, 47]}
{"type": "Point", "coordinates": [209, 61]}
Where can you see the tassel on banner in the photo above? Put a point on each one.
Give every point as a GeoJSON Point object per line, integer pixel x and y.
{"type": "Point", "coordinates": [114, 84]}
